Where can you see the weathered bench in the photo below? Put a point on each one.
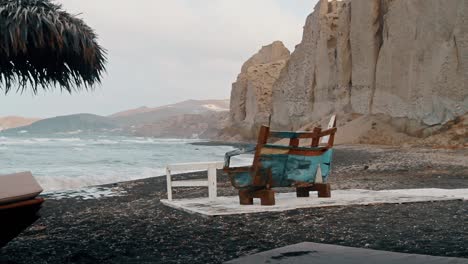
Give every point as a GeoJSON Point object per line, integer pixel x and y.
{"type": "Point", "coordinates": [211, 182]}
{"type": "Point", "coordinates": [305, 167]}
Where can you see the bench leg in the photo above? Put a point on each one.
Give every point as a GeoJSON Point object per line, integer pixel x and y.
{"type": "Point", "coordinates": [267, 197]}
{"type": "Point", "coordinates": [245, 198]}
{"type": "Point", "coordinates": [302, 191]}
{"type": "Point", "coordinates": [323, 189]}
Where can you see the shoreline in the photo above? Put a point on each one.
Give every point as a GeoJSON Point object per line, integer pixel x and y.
{"type": "Point", "coordinates": [359, 147]}
{"type": "Point", "coordinates": [136, 227]}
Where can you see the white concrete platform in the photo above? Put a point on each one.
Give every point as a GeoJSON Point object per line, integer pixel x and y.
{"type": "Point", "coordinates": [288, 201]}
{"type": "Point", "coordinates": [305, 253]}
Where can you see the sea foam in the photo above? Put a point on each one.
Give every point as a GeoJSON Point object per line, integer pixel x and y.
{"type": "Point", "coordinates": [64, 163]}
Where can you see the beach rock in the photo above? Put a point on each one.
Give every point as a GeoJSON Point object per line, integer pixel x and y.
{"type": "Point", "coordinates": [252, 92]}
{"type": "Point", "coordinates": [136, 227]}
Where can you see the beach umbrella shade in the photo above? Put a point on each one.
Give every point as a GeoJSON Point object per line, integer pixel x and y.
{"type": "Point", "coordinates": [43, 47]}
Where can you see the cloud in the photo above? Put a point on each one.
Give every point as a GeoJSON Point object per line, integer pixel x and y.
{"type": "Point", "coordinates": [163, 51]}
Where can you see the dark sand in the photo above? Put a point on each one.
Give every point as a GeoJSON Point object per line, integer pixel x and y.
{"type": "Point", "coordinates": [137, 228]}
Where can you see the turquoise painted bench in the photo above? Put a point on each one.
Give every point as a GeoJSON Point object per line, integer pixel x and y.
{"type": "Point", "coordinates": [305, 167]}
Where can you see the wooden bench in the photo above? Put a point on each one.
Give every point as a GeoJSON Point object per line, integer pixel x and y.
{"type": "Point", "coordinates": [211, 182]}
{"type": "Point", "coordinates": [305, 167]}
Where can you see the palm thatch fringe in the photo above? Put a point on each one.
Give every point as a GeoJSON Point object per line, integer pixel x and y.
{"type": "Point", "coordinates": [43, 46]}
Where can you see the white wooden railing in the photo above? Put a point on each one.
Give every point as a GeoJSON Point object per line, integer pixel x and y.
{"type": "Point", "coordinates": [211, 182]}
{"type": "Point", "coordinates": [331, 124]}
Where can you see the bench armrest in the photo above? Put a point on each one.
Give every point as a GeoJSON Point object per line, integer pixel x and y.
{"type": "Point", "coordinates": [236, 152]}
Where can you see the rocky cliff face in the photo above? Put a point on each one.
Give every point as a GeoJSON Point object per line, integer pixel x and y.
{"type": "Point", "coordinates": [251, 94]}
{"type": "Point", "coordinates": [406, 59]}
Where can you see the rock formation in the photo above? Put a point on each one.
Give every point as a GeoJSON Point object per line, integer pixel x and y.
{"type": "Point", "coordinates": [422, 71]}
{"type": "Point", "coordinates": [406, 59]}
{"type": "Point", "coordinates": [252, 92]}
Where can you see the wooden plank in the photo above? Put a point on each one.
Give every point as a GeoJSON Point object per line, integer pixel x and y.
{"type": "Point", "coordinates": [294, 142]}
{"type": "Point", "coordinates": [239, 169]}
{"type": "Point", "coordinates": [169, 184]}
{"type": "Point", "coordinates": [31, 202]}
{"type": "Point", "coordinates": [269, 151]}
{"type": "Point", "coordinates": [191, 183]}
{"type": "Point", "coordinates": [195, 166]}
{"type": "Point", "coordinates": [316, 140]}
{"type": "Point", "coordinates": [212, 184]}
{"type": "Point", "coordinates": [262, 140]}
{"type": "Point", "coordinates": [331, 124]}
{"type": "Point", "coordinates": [301, 152]}
{"type": "Point", "coordinates": [331, 141]}
{"type": "Point", "coordinates": [328, 132]}
{"type": "Point", "coordinates": [291, 135]}
{"type": "Point", "coordinates": [283, 147]}
{"type": "Point", "coordinates": [301, 134]}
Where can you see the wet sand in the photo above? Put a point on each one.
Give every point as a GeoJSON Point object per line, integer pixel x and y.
{"type": "Point", "coordinates": [137, 228]}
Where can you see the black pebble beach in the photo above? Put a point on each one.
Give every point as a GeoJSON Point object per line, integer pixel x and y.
{"type": "Point", "coordinates": [137, 228]}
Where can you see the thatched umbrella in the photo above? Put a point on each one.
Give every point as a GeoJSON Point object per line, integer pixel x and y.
{"type": "Point", "coordinates": [42, 46]}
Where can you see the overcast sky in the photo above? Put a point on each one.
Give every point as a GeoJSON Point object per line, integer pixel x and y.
{"type": "Point", "coordinates": [165, 51]}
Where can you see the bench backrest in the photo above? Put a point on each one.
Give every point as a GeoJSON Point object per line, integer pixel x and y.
{"type": "Point", "coordinates": [299, 163]}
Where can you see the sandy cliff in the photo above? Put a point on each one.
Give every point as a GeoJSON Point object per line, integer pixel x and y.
{"type": "Point", "coordinates": [402, 61]}
{"type": "Point", "coordinates": [401, 58]}
{"type": "Point", "coordinates": [251, 94]}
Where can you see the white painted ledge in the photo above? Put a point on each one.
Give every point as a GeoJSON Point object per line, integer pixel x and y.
{"type": "Point", "coordinates": [288, 201]}
{"type": "Point", "coordinates": [194, 166]}
{"type": "Point", "coordinates": [194, 183]}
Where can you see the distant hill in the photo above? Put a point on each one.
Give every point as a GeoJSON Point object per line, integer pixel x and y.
{"type": "Point", "coordinates": [184, 119]}
{"type": "Point", "coordinates": [70, 123]}
{"type": "Point", "coordinates": [139, 110]}
{"type": "Point", "coordinates": [147, 115]}
{"type": "Point", "coordinates": [15, 121]}
{"type": "Point", "coordinates": [204, 126]}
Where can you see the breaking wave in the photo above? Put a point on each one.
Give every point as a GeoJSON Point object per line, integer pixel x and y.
{"type": "Point", "coordinates": [63, 162]}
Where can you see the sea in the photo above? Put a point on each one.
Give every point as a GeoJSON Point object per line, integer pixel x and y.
{"type": "Point", "coordinates": [69, 161]}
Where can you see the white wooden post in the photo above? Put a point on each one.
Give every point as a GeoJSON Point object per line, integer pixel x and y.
{"type": "Point", "coordinates": [318, 175]}
{"type": "Point", "coordinates": [169, 184]}
{"type": "Point", "coordinates": [212, 183]}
